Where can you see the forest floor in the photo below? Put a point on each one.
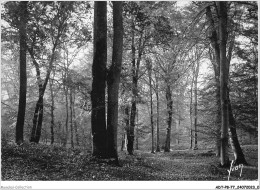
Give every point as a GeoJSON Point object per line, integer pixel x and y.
{"type": "Point", "coordinates": [46, 163]}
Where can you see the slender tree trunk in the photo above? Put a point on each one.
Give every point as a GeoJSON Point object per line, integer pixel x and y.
{"type": "Point", "coordinates": [152, 125]}
{"type": "Point", "coordinates": [158, 149]}
{"type": "Point", "coordinates": [135, 70]}
{"type": "Point", "coordinates": [113, 80]}
{"type": "Point", "coordinates": [137, 132]}
{"type": "Point", "coordinates": [218, 120]}
{"type": "Point", "coordinates": [37, 120]}
{"type": "Point", "coordinates": [65, 88]}
{"type": "Point", "coordinates": [149, 68]}
{"type": "Point", "coordinates": [218, 104]}
{"type": "Point", "coordinates": [52, 112]}
{"type": "Point", "coordinates": [136, 138]}
{"type": "Point", "coordinates": [195, 107]}
{"type": "Point", "coordinates": [177, 119]}
{"type": "Point", "coordinates": [98, 115]}
{"type": "Point", "coordinates": [222, 9]}
{"type": "Point", "coordinates": [130, 135]}
{"type": "Point", "coordinates": [127, 122]}
{"type": "Point", "coordinates": [178, 137]}
{"type": "Point", "coordinates": [75, 121]}
{"type": "Point", "coordinates": [38, 114]}
{"type": "Point", "coordinates": [191, 111]}
{"type": "Point", "coordinates": [71, 119]}
{"type": "Point", "coordinates": [256, 96]}
{"type": "Point", "coordinates": [60, 136]}
{"type": "Point", "coordinates": [23, 76]}
{"type": "Point", "coordinates": [169, 120]}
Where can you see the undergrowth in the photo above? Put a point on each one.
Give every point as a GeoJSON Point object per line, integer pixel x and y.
{"type": "Point", "coordinates": [44, 162]}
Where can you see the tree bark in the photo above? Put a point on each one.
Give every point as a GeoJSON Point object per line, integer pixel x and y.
{"type": "Point", "coordinates": [238, 153]}
{"type": "Point", "coordinates": [158, 115]}
{"type": "Point", "coordinates": [218, 118]}
{"type": "Point", "coordinates": [38, 113]}
{"type": "Point", "coordinates": [169, 119]}
{"type": "Point", "coordinates": [235, 145]}
{"type": "Point", "coordinates": [216, 66]}
{"type": "Point", "coordinates": [65, 89]}
{"type": "Point", "coordinates": [71, 118]}
{"type": "Point", "coordinates": [23, 76]}
{"type": "Point", "coordinates": [222, 10]}
{"type": "Point", "coordinates": [130, 134]}
{"type": "Point", "coordinates": [137, 132]}
{"type": "Point", "coordinates": [37, 119]}
{"type": "Point", "coordinates": [52, 112]}
{"type": "Point", "coordinates": [149, 68]}
{"type": "Point", "coordinates": [135, 71]}
{"type": "Point", "coordinates": [98, 115]}
{"type": "Point", "coordinates": [195, 107]}
{"type": "Point", "coordinates": [75, 121]}
{"type": "Point", "coordinates": [191, 111]}
{"type": "Point", "coordinates": [127, 122]}
{"type": "Point", "coordinates": [113, 80]}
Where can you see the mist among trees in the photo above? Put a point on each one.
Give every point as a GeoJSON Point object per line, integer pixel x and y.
{"type": "Point", "coordinates": [130, 87]}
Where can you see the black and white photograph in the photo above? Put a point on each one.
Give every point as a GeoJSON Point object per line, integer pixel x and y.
{"type": "Point", "coordinates": [129, 94]}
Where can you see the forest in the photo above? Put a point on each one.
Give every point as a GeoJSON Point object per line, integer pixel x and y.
{"type": "Point", "coordinates": [129, 90]}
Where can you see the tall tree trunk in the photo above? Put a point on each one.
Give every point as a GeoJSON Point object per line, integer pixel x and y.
{"type": "Point", "coordinates": [195, 107]}
{"type": "Point", "coordinates": [23, 76]}
{"type": "Point", "coordinates": [179, 124]}
{"type": "Point", "coordinates": [256, 95]}
{"type": "Point", "coordinates": [169, 119]}
{"type": "Point", "coordinates": [149, 68]}
{"type": "Point", "coordinates": [38, 113]}
{"type": "Point", "coordinates": [215, 60]}
{"type": "Point", "coordinates": [158, 115]}
{"type": "Point", "coordinates": [65, 89]}
{"type": "Point", "coordinates": [238, 153]}
{"type": "Point", "coordinates": [98, 115]}
{"type": "Point", "coordinates": [130, 134]}
{"type": "Point", "coordinates": [71, 118]}
{"type": "Point", "coordinates": [135, 70]}
{"type": "Point", "coordinates": [177, 119]}
{"type": "Point", "coordinates": [52, 111]}
{"type": "Point", "coordinates": [75, 121]}
{"type": "Point", "coordinates": [113, 80]}
{"type": "Point", "coordinates": [137, 132]}
{"type": "Point", "coordinates": [191, 111]}
{"type": "Point", "coordinates": [37, 119]}
{"type": "Point", "coordinates": [127, 121]}
{"type": "Point", "coordinates": [218, 119]}
{"type": "Point", "coordinates": [222, 10]}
